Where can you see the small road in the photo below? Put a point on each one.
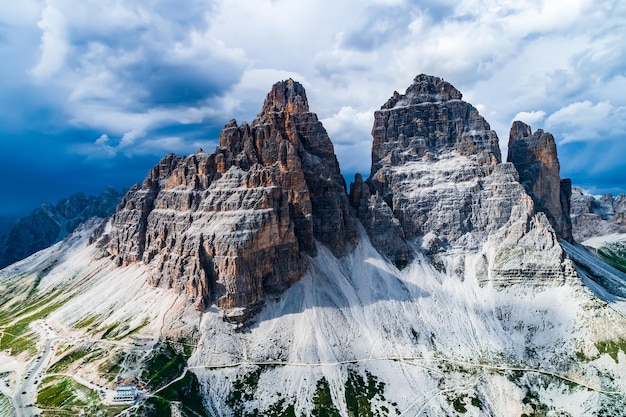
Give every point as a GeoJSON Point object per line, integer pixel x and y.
{"type": "Point", "coordinates": [173, 381]}
{"type": "Point", "coordinates": [26, 393]}
{"type": "Point", "coordinates": [407, 359]}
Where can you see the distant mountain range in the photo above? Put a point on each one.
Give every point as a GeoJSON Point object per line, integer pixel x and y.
{"type": "Point", "coordinates": [49, 223]}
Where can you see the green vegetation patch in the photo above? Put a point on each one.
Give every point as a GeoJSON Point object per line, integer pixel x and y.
{"type": "Point", "coordinates": [459, 405]}
{"type": "Point", "coordinates": [34, 308]}
{"type": "Point", "coordinates": [16, 334]}
{"type": "Point", "coordinates": [86, 322]}
{"type": "Point", "coordinates": [243, 389]}
{"type": "Point", "coordinates": [62, 396]}
{"type": "Point", "coordinates": [186, 391]}
{"type": "Point", "coordinates": [360, 396]}
{"type": "Point", "coordinates": [279, 409]}
{"type": "Point", "coordinates": [532, 399]}
{"type": "Point", "coordinates": [361, 392]}
{"type": "Point", "coordinates": [64, 393]}
{"type": "Point", "coordinates": [363, 396]}
{"type": "Point", "coordinates": [116, 331]}
{"type": "Point", "coordinates": [167, 362]}
{"type": "Point", "coordinates": [113, 330]}
{"type": "Point", "coordinates": [323, 405]}
{"type": "Point", "coordinates": [612, 347]}
{"type": "Point", "coordinates": [19, 338]}
{"type": "Point", "coordinates": [6, 409]}
{"type": "Point", "coordinates": [614, 254]}
{"type": "Point", "coordinates": [82, 352]}
{"type": "Point", "coordinates": [111, 367]}
{"type": "Point", "coordinates": [461, 402]}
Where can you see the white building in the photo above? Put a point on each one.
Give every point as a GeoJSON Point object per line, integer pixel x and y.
{"type": "Point", "coordinates": [125, 393]}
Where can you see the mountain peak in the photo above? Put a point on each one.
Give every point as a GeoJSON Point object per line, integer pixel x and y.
{"type": "Point", "coordinates": [519, 130]}
{"type": "Point", "coordinates": [425, 89]}
{"type": "Point", "coordinates": [236, 225]}
{"type": "Point", "coordinates": [535, 158]}
{"type": "Point", "coordinates": [289, 96]}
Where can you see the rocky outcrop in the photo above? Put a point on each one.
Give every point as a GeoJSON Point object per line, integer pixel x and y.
{"type": "Point", "coordinates": [535, 157]}
{"type": "Point", "coordinates": [49, 223]}
{"type": "Point", "coordinates": [593, 216]}
{"type": "Point", "coordinates": [437, 183]}
{"type": "Point", "coordinates": [433, 157]}
{"type": "Point", "coordinates": [236, 225]}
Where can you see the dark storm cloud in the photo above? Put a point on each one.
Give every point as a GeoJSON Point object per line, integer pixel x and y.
{"type": "Point", "coordinates": [133, 58]}
{"type": "Point", "coordinates": [142, 76]}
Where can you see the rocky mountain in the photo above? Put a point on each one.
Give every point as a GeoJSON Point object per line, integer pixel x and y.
{"type": "Point", "coordinates": [247, 282]}
{"type": "Point", "coordinates": [592, 216]}
{"type": "Point", "coordinates": [600, 224]}
{"type": "Point", "coordinates": [437, 181]}
{"type": "Point", "coordinates": [237, 225]}
{"type": "Point", "coordinates": [49, 223]}
{"type": "Point", "coordinates": [536, 161]}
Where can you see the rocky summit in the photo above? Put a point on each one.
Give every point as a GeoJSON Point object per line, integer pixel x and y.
{"type": "Point", "coordinates": [236, 225]}
{"type": "Point", "coordinates": [239, 224]}
{"type": "Point", "coordinates": [429, 150]}
{"type": "Point", "coordinates": [438, 182]}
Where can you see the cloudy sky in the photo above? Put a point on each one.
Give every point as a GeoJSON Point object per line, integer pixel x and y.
{"type": "Point", "coordinates": [95, 92]}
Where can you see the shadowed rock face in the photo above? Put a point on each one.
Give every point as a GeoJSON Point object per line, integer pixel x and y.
{"type": "Point", "coordinates": [49, 223]}
{"type": "Point", "coordinates": [236, 225]}
{"type": "Point", "coordinates": [535, 157]}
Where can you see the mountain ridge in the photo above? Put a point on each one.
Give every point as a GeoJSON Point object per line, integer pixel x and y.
{"type": "Point", "coordinates": [50, 223]}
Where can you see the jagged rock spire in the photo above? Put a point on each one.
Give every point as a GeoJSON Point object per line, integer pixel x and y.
{"type": "Point", "coordinates": [288, 96]}
{"type": "Point", "coordinates": [536, 160]}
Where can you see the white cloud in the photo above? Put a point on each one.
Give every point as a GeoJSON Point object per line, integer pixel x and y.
{"type": "Point", "coordinates": [130, 137]}
{"type": "Point", "coordinates": [101, 148]}
{"type": "Point", "coordinates": [530, 118]}
{"type": "Point", "coordinates": [106, 148]}
{"type": "Point", "coordinates": [129, 66]}
{"type": "Point", "coordinates": [54, 46]}
{"type": "Point", "coordinates": [121, 122]}
{"type": "Point", "coordinates": [350, 132]}
{"type": "Point", "coordinates": [583, 113]}
{"type": "Point", "coordinates": [20, 12]}
{"type": "Point", "coordinates": [103, 140]}
{"type": "Point", "coordinates": [584, 121]}
{"type": "Point", "coordinates": [348, 119]}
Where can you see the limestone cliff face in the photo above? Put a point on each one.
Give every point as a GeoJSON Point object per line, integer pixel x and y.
{"type": "Point", "coordinates": [236, 225]}
{"type": "Point", "coordinates": [433, 157]}
{"type": "Point", "coordinates": [437, 183]}
{"type": "Point", "coordinates": [535, 157]}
